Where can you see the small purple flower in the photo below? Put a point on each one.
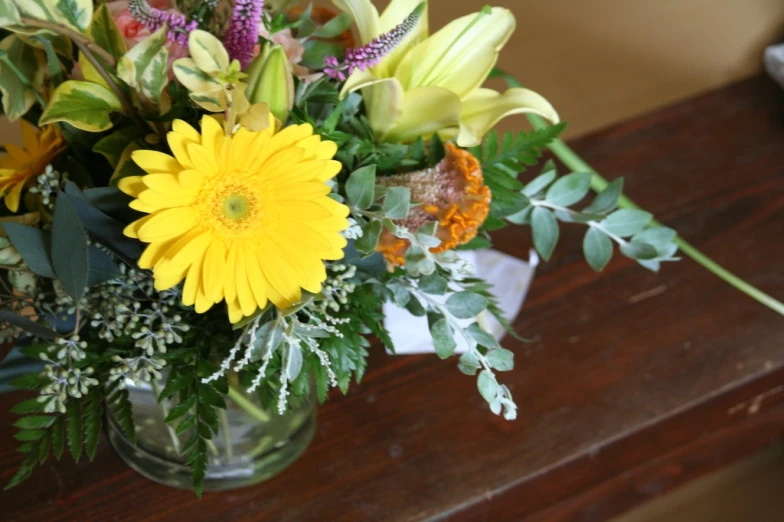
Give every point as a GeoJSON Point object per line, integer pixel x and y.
{"type": "Point", "coordinates": [178, 26]}
{"type": "Point", "coordinates": [371, 54]}
{"type": "Point", "coordinates": [242, 35]}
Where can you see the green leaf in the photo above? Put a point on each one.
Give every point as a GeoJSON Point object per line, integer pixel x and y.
{"type": "Point", "coordinates": [656, 236]}
{"type": "Point", "coordinates": [500, 359]}
{"type": "Point", "coordinates": [28, 435]}
{"type": "Point", "coordinates": [569, 189]}
{"type": "Point", "coordinates": [144, 66]}
{"type": "Point", "coordinates": [361, 187]}
{"type": "Point", "coordinates": [436, 151]}
{"type": "Point", "coordinates": [597, 248]}
{"type": "Point", "coordinates": [31, 327]}
{"type": "Point", "coordinates": [181, 409]}
{"type": "Point", "coordinates": [17, 99]}
{"type": "Point", "coordinates": [206, 50]}
{"type": "Point", "coordinates": [70, 255]}
{"type": "Point", "coordinates": [74, 13]}
{"type": "Point", "coordinates": [468, 363]}
{"type": "Point", "coordinates": [93, 415]}
{"type": "Point", "coordinates": [639, 251]}
{"type": "Point", "coordinates": [397, 202]}
{"type": "Point", "coordinates": [103, 31]}
{"type": "Point", "coordinates": [488, 387]}
{"type": "Point", "coordinates": [316, 51]}
{"type": "Point", "coordinates": [334, 27]}
{"type": "Point", "coordinates": [74, 429]}
{"type": "Point", "coordinates": [34, 246]}
{"type": "Point", "coordinates": [433, 284]}
{"type": "Point", "coordinates": [34, 422]}
{"type": "Point", "coordinates": [30, 381]}
{"type": "Point", "coordinates": [539, 183]}
{"type": "Point", "coordinates": [482, 336]}
{"type": "Point", "coordinates": [607, 199]}
{"type": "Point", "coordinates": [465, 305]}
{"type": "Point", "coordinates": [126, 167]}
{"type": "Point", "coordinates": [293, 362]}
{"type": "Point", "coordinates": [123, 412]}
{"type": "Point", "coordinates": [58, 437]}
{"type": "Point", "coordinates": [113, 145]}
{"type": "Point", "coordinates": [442, 334]}
{"type": "Point", "coordinates": [415, 308]}
{"type": "Point", "coordinates": [545, 232]}
{"type": "Point", "coordinates": [9, 14]}
{"type": "Point", "coordinates": [370, 235]}
{"type": "Point", "coordinates": [626, 222]}
{"type": "Point", "coordinates": [32, 405]}
{"type": "Point", "coordinates": [84, 105]}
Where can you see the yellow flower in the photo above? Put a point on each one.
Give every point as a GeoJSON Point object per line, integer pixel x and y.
{"type": "Point", "coordinates": [244, 219]}
{"type": "Point", "coordinates": [22, 165]}
{"type": "Point", "coordinates": [452, 193]}
{"type": "Point", "coordinates": [433, 83]}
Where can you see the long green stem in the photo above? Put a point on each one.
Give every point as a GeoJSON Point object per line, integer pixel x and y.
{"type": "Point", "coordinates": [572, 160]}
{"type": "Point", "coordinates": [22, 78]}
{"type": "Point", "coordinates": [165, 410]}
{"type": "Point", "coordinates": [227, 442]}
{"type": "Point", "coordinates": [243, 402]}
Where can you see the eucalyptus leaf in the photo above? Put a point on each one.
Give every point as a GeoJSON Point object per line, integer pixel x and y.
{"type": "Point", "coordinates": [607, 199]}
{"type": "Point", "coordinates": [34, 245]}
{"type": "Point", "coordinates": [415, 308]}
{"type": "Point", "coordinates": [70, 255]}
{"type": "Point", "coordinates": [639, 251]}
{"type": "Point", "coordinates": [32, 327]}
{"type": "Point", "coordinates": [482, 336]}
{"type": "Point", "coordinates": [397, 202]}
{"type": "Point", "coordinates": [293, 361]}
{"type": "Point", "coordinates": [433, 284]}
{"type": "Point", "coordinates": [102, 268]}
{"type": "Point", "coordinates": [488, 387]}
{"type": "Point", "coordinates": [500, 359]}
{"type": "Point", "coordinates": [442, 334]}
{"type": "Point", "coordinates": [468, 363]}
{"type": "Point", "coordinates": [370, 235]}
{"type": "Point", "coordinates": [545, 231]}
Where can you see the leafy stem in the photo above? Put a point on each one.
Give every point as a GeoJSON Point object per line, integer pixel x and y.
{"type": "Point", "coordinates": [78, 38]}
{"type": "Point", "coordinates": [22, 78]}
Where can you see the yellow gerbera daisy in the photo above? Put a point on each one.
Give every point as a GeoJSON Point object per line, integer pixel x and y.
{"type": "Point", "coordinates": [243, 218]}
{"type": "Point", "coordinates": [21, 165]}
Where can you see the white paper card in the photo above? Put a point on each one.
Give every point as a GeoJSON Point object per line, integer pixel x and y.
{"type": "Point", "coordinates": [510, 278]}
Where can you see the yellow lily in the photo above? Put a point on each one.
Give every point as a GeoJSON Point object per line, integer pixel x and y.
{"type": "Point", "coordinates": [432, 84]}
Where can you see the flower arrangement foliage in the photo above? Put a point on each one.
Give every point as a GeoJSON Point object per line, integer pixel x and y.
{"type": "Point", "coordinates": [210, 189]}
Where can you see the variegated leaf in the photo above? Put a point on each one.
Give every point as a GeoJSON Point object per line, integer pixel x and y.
{"type": "Point", "coordinates": [144, 66]}
{"type": "Point", "coordinates": [74, 13]}
{"type": "Point", "coordinates": [17, 99]}
{"type": "Point", "coordinates": [84, 105]}
{"type": "Point", "coordinates": [9, 14]}
{"type": "Point", "coordinates": [208, 52]}
{"type": "Point", "coordinates": [194, 79]}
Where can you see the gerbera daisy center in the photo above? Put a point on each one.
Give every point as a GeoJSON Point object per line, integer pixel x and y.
{"type": "Point", "coordinates": [236, 207]}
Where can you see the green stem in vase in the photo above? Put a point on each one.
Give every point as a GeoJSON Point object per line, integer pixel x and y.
{"type": "Point", "coordinates": [165, 410]}
{"type": "Point", "coordinates": [572, 160]}
{"type": "Point", "coordinates": [243, 402]}
{"type": "Point", "coordinates": [224, 420]}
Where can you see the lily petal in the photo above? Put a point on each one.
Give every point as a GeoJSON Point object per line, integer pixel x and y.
{"type": "Point", "coordinates": [426, 110]}
{"type": "Point", "coordinates": [483, 108]}
{"type": "Point", "coordinates": [365, 15]}
{"type": "Point", "coordinates": [393, 15]}
{"type": "Point", "coordinates": [461, 55]}
{"type": "Point", "coordinates": [383, 99]}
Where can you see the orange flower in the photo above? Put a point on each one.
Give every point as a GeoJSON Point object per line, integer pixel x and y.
{"type": "Point", "coordinates": [452, 193]}
{"type": "Point", "coordinates": [21, 165]}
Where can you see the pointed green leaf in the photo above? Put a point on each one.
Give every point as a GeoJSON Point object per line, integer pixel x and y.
{"type": "Point", "coordinates": [34, 245]}
{"type": "Point", "coordinates": [545, 231]}
{"type": "Point", "coordinates": [607, 199]}
{"type": "Point", "coordinates": [84, 105]}
{"type": "Point", "coordinates": [626, 222]}
{"type": "Point", "coordinates": [70, 254]}
{"type": "Point", "coordinates": [569, 189]}
{"type": "Point", "coordinates": [597, 248]}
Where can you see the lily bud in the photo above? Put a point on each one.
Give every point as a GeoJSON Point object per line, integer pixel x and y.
{"type": "Point", "coordinates": [271, 81]}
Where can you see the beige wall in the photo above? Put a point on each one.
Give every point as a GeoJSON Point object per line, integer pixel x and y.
{"type": "Point", "coordinates": [601, 61]}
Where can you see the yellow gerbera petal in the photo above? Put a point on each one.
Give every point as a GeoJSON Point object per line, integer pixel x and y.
{"type": "Point", "coordinates": [244, 219]}
{"type": "Point", "coordinates": [152, 161]}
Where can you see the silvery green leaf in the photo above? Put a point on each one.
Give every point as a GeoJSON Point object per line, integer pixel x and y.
{"type": "Point", "coordinates": [465, 305]}
{"type": "Point", "coordinates": [397, 202]}
{"type": "Point", "coordinates": [607, 199]}
{"type": "Point", "coordinates": [521, 218]}
{"type": "Point", "coordinates": [652, 265]}
{"type": "Point", "coordinates": [500, 359]}
{"type": "Point", "coordinates": [415, 308]}
{"type": "Point", "coordinates": [268, 338]}
{"type": "Point", "coordinates": [539, 183]}
{"type": "Point", "coordinates": [433, 284]}
{"type": "Point", "coordinates": [656, 236]}
{"type": "Point", "coordinates": [428, 241]}
{"type": "Point", "coordinates": [26, 324]}
{"type": "Point", "coordinates": [34, 245]}
{"type": "Point", "coordinates": [468, 363]}
{"type": "Point", "coordinates": [488, 387]}
{"type": "Point", "coordinates": [626, 222]}
{"type": "Point", "coordinates": [369, 240]}
{"type": "Point", "coordinates": [102, 268]}
{"type": "Point", "coordinates": [482, 336]}
{"type": "Point", "coordinates": [597, 248]}
{"type": "Point", "coordinates": [361, 187]}
{"type": "Point", "coordinates": [545, 231]}
{"type": "Point", "coordinates": [304, 330]}
{"type": "Point", "coordinates": [429, 229]}
{"type": "Point", "coordinates": [569, 189]}
{"type": "Point", "coordinates": [639, 251]}
{"type": "Point", "coordinates": [443, 337]}
{"type": "Point", "coordinates": [400, 294]}
{"type": "Point", "coordinates": [495, 406]}
{"type": "Point", "coordinates": [293, 361]}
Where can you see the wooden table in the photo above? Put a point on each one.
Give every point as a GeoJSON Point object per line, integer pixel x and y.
{"type": "Point", "coordinates": [635, 383]}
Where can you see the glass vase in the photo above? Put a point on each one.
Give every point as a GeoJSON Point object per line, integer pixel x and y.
{"type": "Point", "coordinates": [251, 445]}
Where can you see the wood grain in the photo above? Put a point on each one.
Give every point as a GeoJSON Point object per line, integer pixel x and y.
{"type": "Point", "coordinates": [635, 383]}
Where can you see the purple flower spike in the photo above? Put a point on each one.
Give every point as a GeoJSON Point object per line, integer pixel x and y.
{"type": "Point", "coordinates": [242, 35]}
{"type": "Point", "coordinates": [179, 27]}
{"type": "Point", "coordinates": [374, 51]}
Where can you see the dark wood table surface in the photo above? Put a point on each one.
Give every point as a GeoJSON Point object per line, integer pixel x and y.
{"type": "Point", "coordinates": [635, 384]}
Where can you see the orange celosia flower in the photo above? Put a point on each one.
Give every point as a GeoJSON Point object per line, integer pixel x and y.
{"type": "Point", "coordinates": [21, 165]}
{"type": "Point", "coordinates": [452, 193]}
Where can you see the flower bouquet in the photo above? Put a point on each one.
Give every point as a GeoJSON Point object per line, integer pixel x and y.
{"type": "Point", "coordinates": [214, 200]}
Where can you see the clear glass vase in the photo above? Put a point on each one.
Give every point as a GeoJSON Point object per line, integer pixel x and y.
{"type": "Point", "coordinates": [251, 445]}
